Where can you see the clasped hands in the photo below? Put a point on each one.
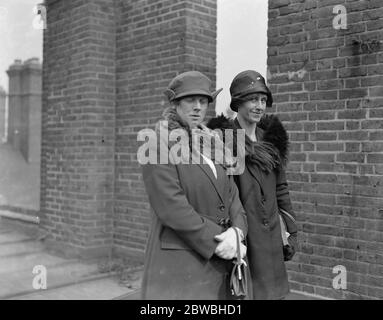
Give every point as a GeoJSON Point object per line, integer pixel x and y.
{"type": "Point", "coordinates": [227, 246]}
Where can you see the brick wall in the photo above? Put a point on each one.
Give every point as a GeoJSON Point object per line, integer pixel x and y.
{"type": "Point", "coordinates": [328, 89]}
{"type": "Point", "coordinates": [156, 40]}
{"type": "Point", "coordinates": [106, 65]}
{"type": "Point", "coordinates": [77, 169]}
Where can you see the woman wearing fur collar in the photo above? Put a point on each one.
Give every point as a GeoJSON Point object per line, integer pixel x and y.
{"type": "Point", "coordinates": [262, 186]}
{"type": "Point", "coordinates": [196, 205]}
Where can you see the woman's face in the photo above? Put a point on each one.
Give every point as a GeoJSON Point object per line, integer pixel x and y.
{"type": "Point", "coordinates": [192, 109]}
{"type": "Point", "coordinates": [254, 108]}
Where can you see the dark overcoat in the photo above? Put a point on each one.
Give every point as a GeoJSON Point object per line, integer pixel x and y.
{"type": "Point", "coordinates": [188, 204]}
{"type": "Point", "coordinates": [262, 193]}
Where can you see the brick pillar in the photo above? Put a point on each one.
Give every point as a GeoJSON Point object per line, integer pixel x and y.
{"type": "Point", "coordinates": [201, 40]}
{"type": "Point", "coordinates": [106, 65]}
{"type": "Point", "coordinates": [78, 131]}
{"type": "Point", "coordinates": [327, 86]}
{"type": "Point", "coordinates": [3, 97]}
{"type": "Point", "coordinates": [156, 41]}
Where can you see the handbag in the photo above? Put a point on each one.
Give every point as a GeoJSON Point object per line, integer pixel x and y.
{"type": "Point", "coordinates": [288, 250]}
{"type": "Point", "coordinates": [284, 232]}
{"type": "Point", "coordinates": [238, 277]}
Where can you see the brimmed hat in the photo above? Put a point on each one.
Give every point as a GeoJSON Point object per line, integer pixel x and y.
{"type": "Point", "coordinates": [190, 83]}
{"type": "Point", "coordinates": [245, 83]}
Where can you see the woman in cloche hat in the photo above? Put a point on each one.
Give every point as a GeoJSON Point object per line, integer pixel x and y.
{"type": "Point", "coordinates": [262, 186]}
{"type": "Point", "coordinates": [195, 205]}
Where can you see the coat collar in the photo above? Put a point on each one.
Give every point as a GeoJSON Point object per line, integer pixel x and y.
{"type": "Point", "coordinates": [175, 122]}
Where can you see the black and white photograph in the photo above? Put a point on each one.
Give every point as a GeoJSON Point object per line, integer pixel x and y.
{"type": "Point", "coordinates": [216, 152]}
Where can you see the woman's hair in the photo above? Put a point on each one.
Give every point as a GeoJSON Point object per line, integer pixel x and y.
{"type": "Point", "coordinates": [236, 102]}
{"type": "Point", "coordinates": [175, 103]}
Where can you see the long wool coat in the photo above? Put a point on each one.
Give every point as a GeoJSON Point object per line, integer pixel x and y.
{"type": "Point", "coordinates": [262, 192]}
{"type": "Point", "coordinates": [188, 204]}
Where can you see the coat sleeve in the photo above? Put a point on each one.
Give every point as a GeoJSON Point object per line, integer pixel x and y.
{"type": "Point", "coordinates": [170, 204]}
{"type": "Point", "coordinates": [284, 201]}
{"type": "Point", "coordinates": [236, 212]}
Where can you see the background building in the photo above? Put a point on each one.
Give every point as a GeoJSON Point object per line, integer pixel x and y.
{"type": "Point", "coordinates": [24, 108]}
{"type": "Point", "coordinates": [20, 148]}
{"type": "Point", "coordinates": [3, 99]}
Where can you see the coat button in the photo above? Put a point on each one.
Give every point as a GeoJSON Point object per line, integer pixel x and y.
{"type": "Point", "coordinates": [222, 208]}
{"type": "Point", "coordinates": [263, 200]}
{"type": "Point", "coordinates": [265, 222]}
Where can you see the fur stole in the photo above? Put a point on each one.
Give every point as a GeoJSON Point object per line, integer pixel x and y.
{"type": "Point", "coordinates": [271, 152]}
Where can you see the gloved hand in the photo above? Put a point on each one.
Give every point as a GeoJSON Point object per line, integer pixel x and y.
{"type": "Point", "coordinates": [227, 247]}
{"type": "Point", "coordinates": [290, 249]}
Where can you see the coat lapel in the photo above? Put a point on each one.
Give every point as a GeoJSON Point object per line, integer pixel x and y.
{"type": "Point", "coordinates": [221, 173]}
{"type": "Point", "coordinates": [206, 169]}
{"type": "Point", "coordinates": [254, 171]}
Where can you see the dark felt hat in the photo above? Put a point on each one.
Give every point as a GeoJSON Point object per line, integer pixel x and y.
{"type": "Point", "coordinates": [246, 83]}
{"type": "Point", "coordinates": [190, 83]}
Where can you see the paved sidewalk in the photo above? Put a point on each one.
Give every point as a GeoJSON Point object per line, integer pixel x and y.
{"type": "Point", "coordinates": [135, 295]}
{"type": "Point", "coordinates": [67, 279]}
{"type": "Point", "coordinates": [21, 251]}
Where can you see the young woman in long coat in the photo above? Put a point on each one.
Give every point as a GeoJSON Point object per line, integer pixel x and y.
{"type": "Point", "coordinates": [262, 186]}
{"type": "Point", "coordinates": [196, 206]}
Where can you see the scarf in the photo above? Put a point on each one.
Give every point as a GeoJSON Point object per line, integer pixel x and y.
{"type": "Point", "coordinates": [262, 153]}
{"type": "Point", "coordinates": [197, 141]}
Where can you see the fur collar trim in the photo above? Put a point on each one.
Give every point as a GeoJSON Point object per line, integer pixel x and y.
{"type": "Point", "coordinates": [269, 153]}
{"type": "Point", "coordinates": [200, 140]}
{"type": "Point", "coordinates": [276, 134]}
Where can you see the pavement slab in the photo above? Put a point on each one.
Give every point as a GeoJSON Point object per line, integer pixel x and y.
{"type": "Point", "coordinates": [12, 237]}
{"type": "Point", "coordinates": [23, 247]}
{"type": "Point", "coordinates": [21, 251]}
{"type": "Point", "coordinates": [16, 282]}
{"type": "Point", "coordinates": [100, 289]}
